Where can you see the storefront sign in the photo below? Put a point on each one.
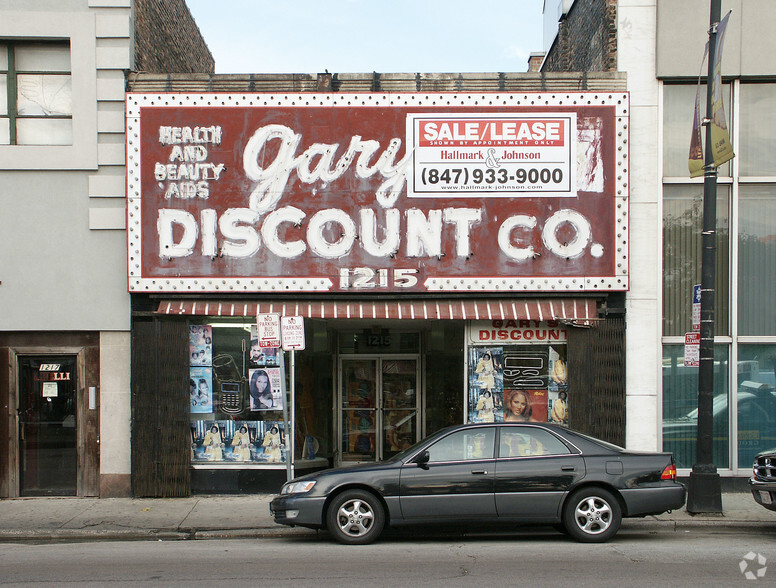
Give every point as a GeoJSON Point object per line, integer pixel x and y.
{"type": "Point", "coordinates": [506, 332]}
{"type": "Point", "coordinates": [377, 193]}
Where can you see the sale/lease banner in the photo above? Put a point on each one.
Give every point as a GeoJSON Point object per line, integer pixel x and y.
{"type": "Point", "coordinates": [498, 155]}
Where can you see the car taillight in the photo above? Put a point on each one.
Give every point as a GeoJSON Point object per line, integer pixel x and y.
{"type": "Point", "coordinates": [669, 473]}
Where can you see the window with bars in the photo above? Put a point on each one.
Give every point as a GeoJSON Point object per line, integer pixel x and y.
{"type": "Point", "coordinates": [36, 105]}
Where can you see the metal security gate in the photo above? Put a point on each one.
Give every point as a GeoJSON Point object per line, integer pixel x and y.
{"type": "Point", "coordinates": [161, 438]}
{"type": "Point", "coordinates": [596, 357]}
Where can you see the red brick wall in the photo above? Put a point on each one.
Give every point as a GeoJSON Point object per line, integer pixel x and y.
{"type": "Point", "coordinates": [587, 39]}
{"type": "Point", "coordinates": [167, 40]}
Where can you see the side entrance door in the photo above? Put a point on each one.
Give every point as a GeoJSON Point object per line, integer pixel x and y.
{"type": "Point", "coordinates": [48, 456]}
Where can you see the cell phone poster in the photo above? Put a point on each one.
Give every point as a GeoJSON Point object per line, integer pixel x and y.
{"type": "Point", "coordinates": [558, 386]}
{"type": "Point", "coordinates": [526, 372]}
{"type": "Point", "coordinates": [261, 356]}
{"type": "Point", "coordinates": [201, 389]}
{"type": "Point", "coordinates": [265, 389]}
{"type": "Point", "coordinates": [238, 441]}
{"type": "Point", "coordinates": [486, 384]}
{"type": "Point", "coordinates": [200, 345]}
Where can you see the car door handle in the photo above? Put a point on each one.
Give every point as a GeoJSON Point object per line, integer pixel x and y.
{"type": "Point", "coordinates": [479, 472]}
{"type": "Point", "coordinates": [567, 468]}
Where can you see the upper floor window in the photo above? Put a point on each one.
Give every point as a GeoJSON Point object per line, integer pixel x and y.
{"type": "Point", "coordinates": [36, 105]}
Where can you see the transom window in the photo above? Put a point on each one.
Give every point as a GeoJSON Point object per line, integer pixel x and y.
{"type": "Point", "coordinates": [36, 104]}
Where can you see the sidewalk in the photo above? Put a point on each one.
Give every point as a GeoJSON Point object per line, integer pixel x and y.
{"type": "Point", "coordinates": [244, 516]}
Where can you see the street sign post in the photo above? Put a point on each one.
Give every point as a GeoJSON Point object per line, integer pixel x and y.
{"type": "Point", "coordinates": [292, 333]}
{"type": "Point", "coordinates": [268, 329]}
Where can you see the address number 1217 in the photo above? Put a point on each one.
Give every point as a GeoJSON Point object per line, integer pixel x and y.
{"type": "Point", "coordinates": [367, 277]}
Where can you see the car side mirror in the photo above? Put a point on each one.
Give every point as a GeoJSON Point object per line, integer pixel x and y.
{"type": "Point", "coordinates": [422, 459]}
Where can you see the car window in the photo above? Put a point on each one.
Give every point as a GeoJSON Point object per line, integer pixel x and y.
{"type": "Point", "coordinates": [528, 442]}
{"type": "Point", "coordinates": [464, 445]}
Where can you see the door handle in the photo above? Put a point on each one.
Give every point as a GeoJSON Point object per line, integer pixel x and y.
{"type": "Point", "coordinates": [567, 468]}
{"type": "Point", "coordinates": [479, 472]}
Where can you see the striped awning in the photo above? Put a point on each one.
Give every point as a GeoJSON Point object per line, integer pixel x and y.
{"type": "Point", "coordinates": [580, 310]}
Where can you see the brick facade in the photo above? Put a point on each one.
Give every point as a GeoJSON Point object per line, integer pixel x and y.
{"type": "Point", "coordinates": [586, 40]}
{"type": "Point", "coordinates": [168, 40]}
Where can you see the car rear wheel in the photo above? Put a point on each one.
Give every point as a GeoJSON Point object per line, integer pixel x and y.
{"type": "Point", "coordinates": [355, 517]}
{"type": "Point", "coordinates": [592, 515]}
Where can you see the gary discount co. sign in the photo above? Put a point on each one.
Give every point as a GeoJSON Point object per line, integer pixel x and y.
{"type": "Point", "coordinates": [377, 192]}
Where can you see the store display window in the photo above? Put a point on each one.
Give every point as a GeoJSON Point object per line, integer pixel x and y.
{"type": "Point", "coordinates": [236, 397]}
{"type": "Point", "coordinates": [511, 382]}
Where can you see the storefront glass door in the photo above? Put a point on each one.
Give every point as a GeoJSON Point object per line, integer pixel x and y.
{"type": "Point", "coordinates": [47, 426]}
{"type": "Point", "coordinates": [378, 406]}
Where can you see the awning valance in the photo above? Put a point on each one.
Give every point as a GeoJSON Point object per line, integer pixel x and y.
{"type": "Point", "coordinates": [580, 310]}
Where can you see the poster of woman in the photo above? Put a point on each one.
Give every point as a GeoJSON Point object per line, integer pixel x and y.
{"type": "Point", "coordinates": [558, 386]}
{"type": "Point", "coordinates": [272, 443]}
{"type": "Point", "coordinates": [201, 389]}
{"type": "Point", "coordinates": [525, 405]}
{"type": "Point", "coordinates": [265, 389]}
{"type": "Point", "coordinates": [486, 384]}
{"type": "Point", "coordinates": [238, 441]}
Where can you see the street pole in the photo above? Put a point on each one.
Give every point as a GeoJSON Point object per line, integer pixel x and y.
{"type": "Point", "coordinates": [704, 493]}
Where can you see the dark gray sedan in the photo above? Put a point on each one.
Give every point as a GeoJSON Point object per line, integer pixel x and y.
{"type": "Point", "coordinates": [499, 472]}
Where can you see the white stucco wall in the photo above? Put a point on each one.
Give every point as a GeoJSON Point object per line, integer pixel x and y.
{"type": "Point", "coordinates": [115, 406]}
{"type": "Point", "coordinates": [63, 208]}
{"type": "Point", "coordinates": [636, 27]}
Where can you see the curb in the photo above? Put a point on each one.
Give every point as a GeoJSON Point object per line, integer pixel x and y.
{"type": "Point", "coordinates": [181, 534]}
{"type": "Point", "coordinates": [191, 534]}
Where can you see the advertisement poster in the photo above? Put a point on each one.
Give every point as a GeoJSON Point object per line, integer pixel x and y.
{"type": "Point", "coordinates": [201, 345]}
{"type": "Point", "coordinates": [238, 441]}
{"type": "Point", "coordinates": [518, 383]}
{"type": "Point", "coordinates": [486, 384]}
{"type": "Point", "coordinates": [523, 405]}
{"type": "Point", "coordinates": [558, 386]}
{"type": "Point", "coordinates": [261, 356]}
{"type": "Point", "coordinates": [265, 389]}
{"type": "Point", "coordinates": [489, 154]}
{"type": "Point", "coordinates": [526, 374]}
{"type": "Point", "coordinates": [201, 389]}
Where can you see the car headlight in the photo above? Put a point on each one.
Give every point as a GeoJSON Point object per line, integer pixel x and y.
{"type": "Point", "coordinates": [298, 487]}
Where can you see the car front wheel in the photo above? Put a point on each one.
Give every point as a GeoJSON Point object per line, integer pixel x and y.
{"type": "Point", "coordinates": [355, 517]}
{"type": "Point", "coordinates": [592, 515]}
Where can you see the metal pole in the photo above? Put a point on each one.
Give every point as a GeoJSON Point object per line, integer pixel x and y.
{"type": "Point", "coordinates": [288, 424]}
{"type": "Point", "coordinates": [704, 493]}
